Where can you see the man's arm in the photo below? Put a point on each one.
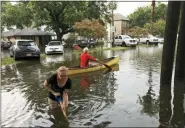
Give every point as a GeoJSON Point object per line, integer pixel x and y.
{"type": "Point", "coordinates": [91, 57]}
{"type": "Point", "coordinates": [46, 85]}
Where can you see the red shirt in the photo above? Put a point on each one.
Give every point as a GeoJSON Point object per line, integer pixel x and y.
{"type": "Point", "coordinates": [84, 57]}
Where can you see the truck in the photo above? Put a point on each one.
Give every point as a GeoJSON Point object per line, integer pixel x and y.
{"type": "Point", "coordinates": [149, 40]}
{"type": "Point", "coordinates": [124, 40]}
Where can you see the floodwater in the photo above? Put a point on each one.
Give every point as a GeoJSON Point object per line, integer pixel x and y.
{"type": "Point", "coordinates": [128, 96]}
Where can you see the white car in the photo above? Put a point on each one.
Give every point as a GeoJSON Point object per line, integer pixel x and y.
{"type": "Point", "coordinates": [124, 40]}
{"type": "Point", "coordinates": [54, 47]}
{"type": "Point", "coordinates": [161, 40]}
{"type": "Point", "coordinates": [149, 40]}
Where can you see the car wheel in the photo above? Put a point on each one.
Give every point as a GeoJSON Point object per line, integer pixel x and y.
{"type": "Point", "coordinates": [123, 44]}
{"type": "Point", "coordinates": [147, 42]}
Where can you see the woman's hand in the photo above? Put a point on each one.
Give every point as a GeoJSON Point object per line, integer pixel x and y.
{"type": "Point", "coordinates": [56, 93]}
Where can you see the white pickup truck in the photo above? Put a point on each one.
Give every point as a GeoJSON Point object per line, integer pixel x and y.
{"type": "Point", "coordinates": [124, 40]}
{"type": "Point", "coordinates": [149, 40]}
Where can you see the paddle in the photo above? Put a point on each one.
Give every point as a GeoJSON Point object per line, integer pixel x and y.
{"type": "Point", "coordinates": [107, 66]}
{"type": "Point", "coordinates": [76, 47]}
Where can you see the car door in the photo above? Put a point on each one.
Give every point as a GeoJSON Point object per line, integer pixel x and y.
{"type": "Point", "coordinates": [116, 40]}
{"type": "Point", "coordinates": [120, 40]}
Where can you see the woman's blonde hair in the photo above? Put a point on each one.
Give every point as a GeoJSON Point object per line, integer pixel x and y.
{"type": "Point", "coordinates": [62, 68]}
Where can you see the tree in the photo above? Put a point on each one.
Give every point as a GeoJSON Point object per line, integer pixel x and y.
{"type": "Point", "coordinates": [140, 17]}
{"type": "Point", "coordinates": [143, 15]}
{"type": "Point", "coordinates": [138, 31]}
{"type": "Point", "coordinates": [61, 16]}
{"type": "Point", "coordinates": [57, 16]}
{"type": "Point", "coordinates": [171, 29]}
{"type": "Point", "coordinates": [158, 27]}
{"type": "Point", "coordinates": [90, 29]}
{"type": "Point", "coordinates": [18, 15]}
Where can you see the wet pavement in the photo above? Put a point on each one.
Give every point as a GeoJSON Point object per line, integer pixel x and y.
{"type": "Point", "coordinates": [128, 96]}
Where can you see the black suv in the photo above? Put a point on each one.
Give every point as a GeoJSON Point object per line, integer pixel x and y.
{"type": "Point", "coordinates": [86, 43]}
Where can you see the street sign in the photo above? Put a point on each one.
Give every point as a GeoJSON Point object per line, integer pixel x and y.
{"type": "Point", "coordinates": [113, 29]}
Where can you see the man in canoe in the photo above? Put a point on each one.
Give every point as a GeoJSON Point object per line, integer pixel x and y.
{"type": "Point", "coordinates": [85, 57]}
{"type": "Point", "coordinates": [60, 84]}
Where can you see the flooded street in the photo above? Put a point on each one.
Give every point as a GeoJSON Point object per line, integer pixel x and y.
{"type": "Point", "coordinates": [128, 96]}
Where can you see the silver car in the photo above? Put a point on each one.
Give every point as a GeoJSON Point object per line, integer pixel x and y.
{"type": "Point", "coordinates": [24, 48]}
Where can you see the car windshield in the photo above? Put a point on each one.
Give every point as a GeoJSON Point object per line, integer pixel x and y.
{"type": "Point", "coordinates": [83, 42]}
{"type": "Point", "coordinates": [54, 43]}
{"type": "Point", "coordinates": [126, 37]}
{"type": "Point", "coordinates": [26, 43]}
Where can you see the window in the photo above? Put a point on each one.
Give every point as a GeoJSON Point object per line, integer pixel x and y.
{"type": "Point", "coordinates": [26, 43]}
{"type": "Point", "coordinates": [116, 37]}
{"type": "Point", "coordinates": [53, 43]}
{"type": "Point", "coordinates": [120, 37]}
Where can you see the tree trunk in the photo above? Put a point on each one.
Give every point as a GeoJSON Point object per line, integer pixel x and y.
{"type": "Point", "coordinates": [165, 110]}
{"type": "Point", "coordinates": [178, 115]}
{"type": "Point", "coordinates": [59, 35]}
{"type": "Point", "coordinates": [170, 41]}
{"type": "Point", "coordinates": [180, 59]}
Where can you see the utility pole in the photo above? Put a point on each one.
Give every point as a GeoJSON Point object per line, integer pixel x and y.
{"type": "Point", "coordinates": [153, 12]}
{"type": "Point", "coordinates": [113, 28]}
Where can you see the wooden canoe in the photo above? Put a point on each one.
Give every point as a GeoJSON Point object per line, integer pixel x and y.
{"type": "Point", "coordinates": [109, 61]}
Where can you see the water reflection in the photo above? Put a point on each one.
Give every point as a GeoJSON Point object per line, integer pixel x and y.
{"type": "Point", "coordinates": [105, 99]}
{"type": "Point", "coordinates": [54, 58]}
{"type": "Point", "coordinates": [149, 101]}
{"type": "Point", "coordinates": [178, 118]}
{"type": "Point", "coordinates": [22, 87]}
{"type": "Point", "coordinates": [94, 92]}
{"type": "Point", "coordinates": [171, 111]}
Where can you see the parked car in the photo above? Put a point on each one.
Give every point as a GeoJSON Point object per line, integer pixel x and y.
{"type": "Point", "coordinates": [92, 43]}
{"type": "Point", "coordinates": [82, 43]}
{"type": "Point", "coordinates": [24, 48]}
{"type": "Point", "coordinates": [124, 40]}
{"type": "Point", "coordinates": [161, 40]}
{"type": "Point", "coordinates": [6, 45]}
{"type": "Point", "coordinates": [149, 40]}
{"type": "Point", "coordinates": [54, 47]}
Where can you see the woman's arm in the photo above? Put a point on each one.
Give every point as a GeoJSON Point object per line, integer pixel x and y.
{"type": "Point", "coordinates": [46, 85]}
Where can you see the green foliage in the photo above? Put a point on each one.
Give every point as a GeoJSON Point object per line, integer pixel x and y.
{"type": "Point", "coordinates": [90, 29]}
{"type": "Point", "coordinates": [59, 16]}
{"type": "Point", "coordinates": [143, 15]}
{"type": "Point", "coordinates": [138, 31]}
{"type": "Point", "coordinates": [141, 20]}
{"type": "Point", "coordinates": [158, 27]}
{"type": "Point", "coordinates": [18, 15]}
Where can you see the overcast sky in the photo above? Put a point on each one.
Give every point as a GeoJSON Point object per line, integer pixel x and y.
{"type": "Point", "coordinates": [126, 8]}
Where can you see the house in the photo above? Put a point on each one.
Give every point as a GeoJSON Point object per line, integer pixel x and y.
{"type": "Point", "coordinates": [121, 24]}
{"type": "Point", "coordinates": [40, 37]}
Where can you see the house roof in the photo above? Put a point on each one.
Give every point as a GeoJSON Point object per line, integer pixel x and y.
{"type": "Point", "coordinates": [26, 32]}
{"type": "Point", "coordinates": [118, 16]}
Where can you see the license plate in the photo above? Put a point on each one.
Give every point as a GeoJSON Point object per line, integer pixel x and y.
{"type": "Point", "coordinates": [28, 54]}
